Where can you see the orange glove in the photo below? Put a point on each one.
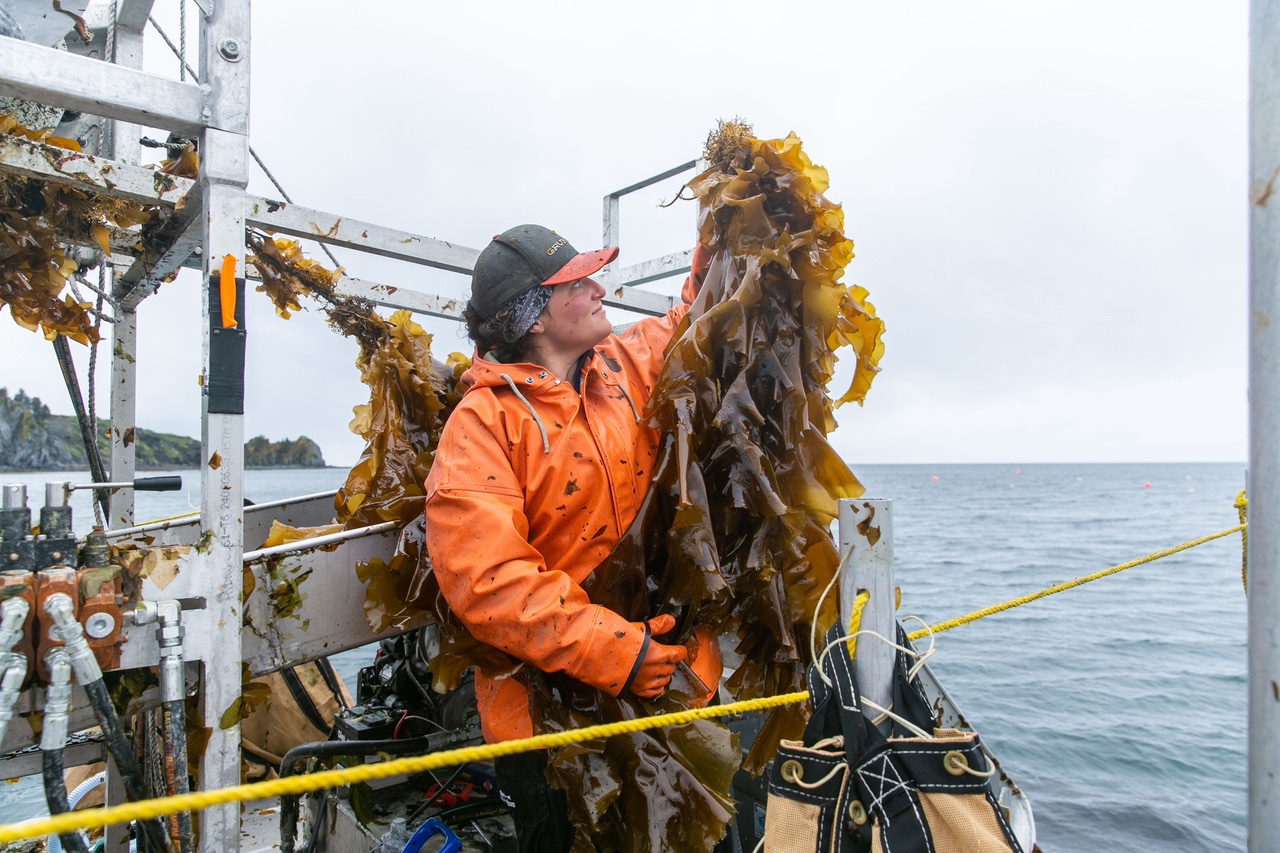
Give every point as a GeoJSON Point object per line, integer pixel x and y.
{"type": "Point", "coordinates": [657, 661]}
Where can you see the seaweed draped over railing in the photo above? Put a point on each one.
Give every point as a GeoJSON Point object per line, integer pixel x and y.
{"type": "Point", "coordinates": [409, 396]}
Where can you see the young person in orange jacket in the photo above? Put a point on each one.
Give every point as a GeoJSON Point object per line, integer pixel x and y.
{"type": "Point", "coordinates": [540, 469]}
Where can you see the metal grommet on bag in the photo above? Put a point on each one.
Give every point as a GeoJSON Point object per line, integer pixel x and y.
{"type": "Point", "coordinates": [955, 763]}
{"type": "Point", "coordinates": [857, 812]}
{"type": "Point", "coordinates": [792, 771]}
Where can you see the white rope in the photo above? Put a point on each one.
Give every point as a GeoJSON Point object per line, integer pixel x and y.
{"type": "Point", "coordinates": [182, 40]}
{"type": "Point", "coordinates": [809, 786]}
{"type": "Point", "coordinates": [813, 623]}
{"type": "Point", "coordinates": [905, 723]}
{"type": "Point", "coordinates": [885, 712]}
{"type": "Point", "coordinates": [173, 48]}
{"type": "Point", "coordinates": [77, 280]}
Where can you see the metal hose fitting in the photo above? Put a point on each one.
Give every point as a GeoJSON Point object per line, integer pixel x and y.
{"type": "Point", "coordinates": [13, 615]}
{"type": "Point", "coordinates": [13, 671]}
{"type": "Point", "coordinates": [61, 610]}
{"type": "Point", "coordinates": [57, 700]}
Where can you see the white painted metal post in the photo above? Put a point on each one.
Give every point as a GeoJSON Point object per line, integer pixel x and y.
{"type": "Point", "coordinates": [866, 548]}
{"type": "Point", "coordinates": [124, 414]}
{"type": "Point", "coordinates": [224, 172]}
{"type": "Point", "coordinates": [612, 227]}
{"type": "Point", "coordinates": [1264, 425]}
{"type": "Point", "coordinates": [131, 17]}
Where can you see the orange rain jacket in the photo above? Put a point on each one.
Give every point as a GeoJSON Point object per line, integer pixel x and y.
{"type": "Point", "coordinates": [532, 486]}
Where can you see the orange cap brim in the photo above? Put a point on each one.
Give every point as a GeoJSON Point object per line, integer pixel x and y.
{"type": "Point", "coordinates": [583, 265]}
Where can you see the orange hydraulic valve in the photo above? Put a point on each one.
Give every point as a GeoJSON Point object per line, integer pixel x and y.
{"type": "Point", "coordinates": [18, 621]}
{"type": "Point", "coordinates": [101, 602]}
{"type": "Point", "coordinates": [58, 580]}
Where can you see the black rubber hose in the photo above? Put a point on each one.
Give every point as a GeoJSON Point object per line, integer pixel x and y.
{"type": "Point", "coordinates": [88, 431]}
{"type": "Point", "coordinates": [118, 745]}
{"type": "Point", "coordinates": [330, 748]}
{"type": "Point", "coordinates": [55, 794]}
{"type": "Point", "coordinates": [174, 724]}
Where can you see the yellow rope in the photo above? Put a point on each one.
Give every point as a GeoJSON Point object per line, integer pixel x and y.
{"type": "Point", "coordinates": [200, 800]}
{"type": "Point", "coordinates": [997, 608]}
{"type": "Point", "coordinates": [170, 518]}
{"type": "Point", "coordinates": [294, 785]}
{"type": "Point", "coordinates": [1242, 507]}
{"type": "Point", "coordinates": [855, 620]}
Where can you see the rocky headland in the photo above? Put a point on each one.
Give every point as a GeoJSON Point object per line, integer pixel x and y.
{"type": "Point", "coordinates": [34, 439]}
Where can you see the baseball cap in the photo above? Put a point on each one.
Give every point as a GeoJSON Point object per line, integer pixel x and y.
{"type": "Point", "coordinates": [524, 257]}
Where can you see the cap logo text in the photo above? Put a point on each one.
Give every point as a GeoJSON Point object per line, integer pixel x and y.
{"type": "Point", "coordinates": [556, 245]}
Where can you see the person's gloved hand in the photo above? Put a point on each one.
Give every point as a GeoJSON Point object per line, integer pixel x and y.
{"type": "Point", "coordinates": [659, 662]}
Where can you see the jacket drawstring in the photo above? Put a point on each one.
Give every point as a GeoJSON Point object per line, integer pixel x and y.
{"type": "Point", "coordinates": [629, 403]}
{"type": "Point", "coordinates": [546, 445]}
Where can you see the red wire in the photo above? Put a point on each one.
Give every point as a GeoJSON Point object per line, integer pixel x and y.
{"type": "Point", "coordinates": [395, 733]}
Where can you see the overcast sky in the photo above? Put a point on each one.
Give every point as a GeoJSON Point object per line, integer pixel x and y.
{"type": "Point", "coordinates": [1047, 200]}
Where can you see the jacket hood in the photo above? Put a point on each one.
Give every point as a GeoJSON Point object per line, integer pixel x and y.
{"type": "Point", "coordinates": [528, 377]}
{"type": "Point", "coordinates": [531, 380]}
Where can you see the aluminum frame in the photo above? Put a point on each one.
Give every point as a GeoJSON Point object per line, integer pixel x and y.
{"type": "Point", "coordinates": [1263, 543]}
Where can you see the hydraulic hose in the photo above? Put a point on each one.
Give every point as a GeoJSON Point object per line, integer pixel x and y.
{"type": "Point", "coordinates": [59, 608]}
{"type": "Point", "coordinates": [174, 728]}
{"type": "Point", "coordinates": [173, 721]}
{"type": "Point", "coordinates": [289, 803]}
{"type": "Point", "coordinates": [88, 431]}
{"type": "Point", "coordinates": [53, 739]}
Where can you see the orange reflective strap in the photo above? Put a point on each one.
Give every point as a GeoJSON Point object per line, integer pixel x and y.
{"type": "Point", "coordinates": [227, 291]}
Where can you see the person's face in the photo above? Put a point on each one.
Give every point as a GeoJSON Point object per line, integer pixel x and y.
{"type": "Point", "coordinates": [574, 320]}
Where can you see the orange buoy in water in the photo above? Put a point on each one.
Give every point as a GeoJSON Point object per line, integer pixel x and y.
{"type": "Point", "coordinates": [1147, 486]}
{"type": "Point", "coordinates": [935, 478]}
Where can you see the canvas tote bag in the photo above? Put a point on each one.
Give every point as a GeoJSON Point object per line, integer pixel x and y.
{"type": "Point", "coordinates": [847, 788]}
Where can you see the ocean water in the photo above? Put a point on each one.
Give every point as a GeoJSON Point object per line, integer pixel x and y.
{"type": "Point", "coordinates": [1118, 707]}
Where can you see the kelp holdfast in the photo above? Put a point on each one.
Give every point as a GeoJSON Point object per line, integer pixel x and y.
{"type": "Point", "coordinates": [847, 788]}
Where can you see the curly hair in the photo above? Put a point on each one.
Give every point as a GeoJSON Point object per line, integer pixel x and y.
{"type": "Point", "coordinates": [506, 333]}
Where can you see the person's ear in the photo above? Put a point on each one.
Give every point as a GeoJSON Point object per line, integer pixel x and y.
{"type": "Point", "coordinates": [537, 327]}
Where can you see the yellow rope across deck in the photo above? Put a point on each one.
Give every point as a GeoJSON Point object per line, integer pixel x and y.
{"type": "Point", "coordinates": [293, 785]}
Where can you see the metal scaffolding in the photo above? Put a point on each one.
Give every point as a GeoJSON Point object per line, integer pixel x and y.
{"type": "Point", "coordinates": [206, 222]}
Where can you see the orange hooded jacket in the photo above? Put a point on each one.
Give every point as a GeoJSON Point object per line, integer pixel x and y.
{"type": "Point", "coordinates": [532, 486]}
